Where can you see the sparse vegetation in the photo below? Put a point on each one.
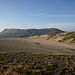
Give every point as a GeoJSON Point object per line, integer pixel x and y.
{"type": "Point", "coordinates": [59, 40]}
{"type": "Point", "coordinates": [52, 35]}
{"type": "Point", "coordinates": [69, 36]}
{"type": "Point", "coordinates": [22, 63]}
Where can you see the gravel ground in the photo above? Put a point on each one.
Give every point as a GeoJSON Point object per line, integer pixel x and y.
{"type": "Point", "coordinates": [35, 45]}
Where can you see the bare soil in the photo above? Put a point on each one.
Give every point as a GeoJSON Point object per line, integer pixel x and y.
{"type": "Point", "coordinates": [35, 45]}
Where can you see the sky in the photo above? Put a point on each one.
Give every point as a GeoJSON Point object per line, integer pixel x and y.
{"type": "Point", "coordinates": [30, 14]}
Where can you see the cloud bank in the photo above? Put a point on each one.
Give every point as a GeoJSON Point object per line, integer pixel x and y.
{"type": "Point", "coordinates": [63, 26]}
{"type": "Point", "coordinates": [1, 29]}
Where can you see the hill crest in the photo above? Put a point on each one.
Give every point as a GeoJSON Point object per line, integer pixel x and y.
{"type": "Point", "coordinates": [14, 33]}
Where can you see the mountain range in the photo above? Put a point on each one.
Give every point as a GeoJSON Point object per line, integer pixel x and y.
{"type": "Point", "coordinates": [15, 33]}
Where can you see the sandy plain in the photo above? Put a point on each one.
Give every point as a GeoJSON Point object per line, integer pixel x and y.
{"type": "Point", "coordinates": [35, 45]}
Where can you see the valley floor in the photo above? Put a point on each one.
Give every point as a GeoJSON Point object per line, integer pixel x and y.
{"type": "Point", "coordinates": [36, 57]}
{"type": "Point", "coordinates": [35, 46]}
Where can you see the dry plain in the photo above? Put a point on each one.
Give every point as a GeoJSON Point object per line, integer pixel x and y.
{"type": "Point", "coordinates": [35, 45]}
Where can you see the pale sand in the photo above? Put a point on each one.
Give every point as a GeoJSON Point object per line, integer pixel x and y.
{"type": "Point", "coordinates": [35, 45]}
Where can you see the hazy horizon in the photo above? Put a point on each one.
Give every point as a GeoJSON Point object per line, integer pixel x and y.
{"type": "Point", "coordinates": [36, 28]}
{"type": "Point", "coordinates": [37, 14]}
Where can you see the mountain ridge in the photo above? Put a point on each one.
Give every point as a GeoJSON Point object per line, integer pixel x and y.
{"type": "Point", "coordinates": [14, 33]}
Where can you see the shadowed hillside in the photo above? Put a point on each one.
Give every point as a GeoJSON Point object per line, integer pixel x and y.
{"type": "Point", "coordinates": [12, 33]}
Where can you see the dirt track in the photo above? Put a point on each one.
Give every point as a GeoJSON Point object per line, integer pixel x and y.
{"type": "Point", "coordinates": [36, 45]}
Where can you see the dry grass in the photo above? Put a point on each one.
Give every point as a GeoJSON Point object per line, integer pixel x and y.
{"type": "Point", "coordinates": [22, 63]}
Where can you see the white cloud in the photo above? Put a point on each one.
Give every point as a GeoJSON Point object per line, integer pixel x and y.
{"type": "Point", "coordinates": [1, 29]}
{"type": "Point", "coordinates": [62, 26]}
{"type": "Point", "coordinates": [53, 15]}
{"type": "Point", "coordinates": [61, 15]}
{"type": "Point", "coordinates": [38, 14]}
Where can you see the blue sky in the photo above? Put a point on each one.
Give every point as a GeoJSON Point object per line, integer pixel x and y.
{"type": "Point", "coordinates": [25, 14]}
